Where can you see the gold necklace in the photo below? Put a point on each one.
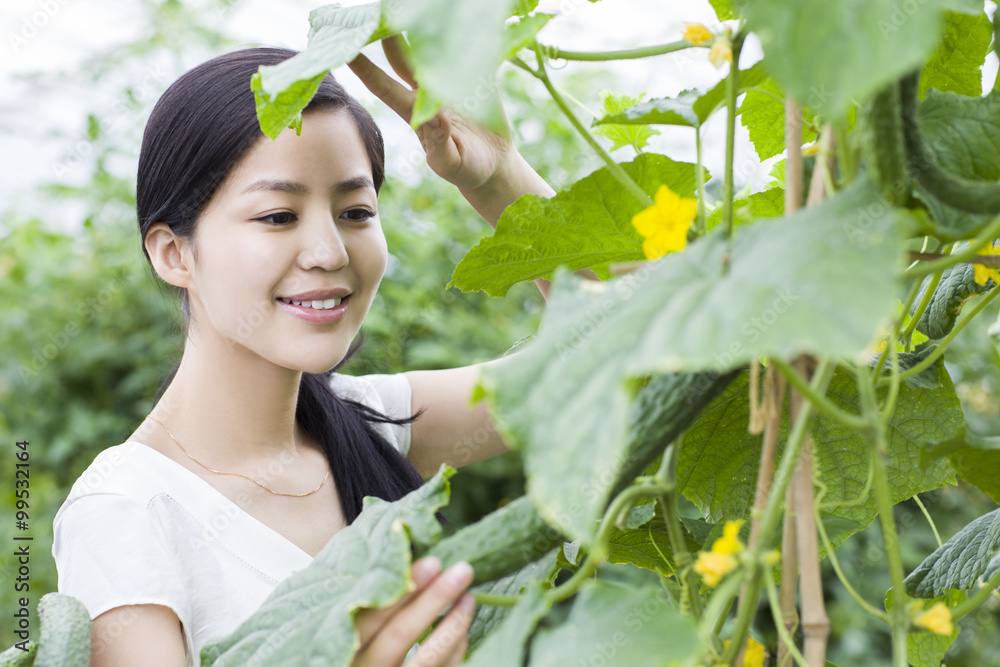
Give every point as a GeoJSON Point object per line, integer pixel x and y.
{"type": "Point", "coordinates": [236, 474]}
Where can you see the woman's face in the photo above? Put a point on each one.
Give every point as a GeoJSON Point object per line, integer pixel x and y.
{"type": "Point", "coordinates": [296, 221]}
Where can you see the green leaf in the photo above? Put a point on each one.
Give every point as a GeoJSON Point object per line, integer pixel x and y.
{"type": "Point", "coordinates": [964, 135]}
{"type": "Point", "coordinates": [975, 458]}
{"type": "Point", "coordinates": [647, 546]}
{"type": "Point", "coordinates": [365, 565]}
{"type": "Point", "coordinates": [489, 618]}
{"type": "Point", "coordinates": [524, 7]}
{"type": "Point", "coordinates": [958, 563]}
{"type": "Point", "coordinates": [587, 226]}
{"type": "Point", "coordinates": [925, 648]}
{"type": "Point", "coordinates": [763, 114]}
{"type": "Point", "coordinates": [957, 64]}
{"type": "Point", "coordinates": [624, 622]}
{"type": "Point", "coordinates": [521, 33]}
{"type": "Point", "coordinates": [506, 646]}
{"type": "Point", "coordinates": [852, 48]}
{"type": "Point", "coordinates": [717, 464]}
{"type": "Point", "coordinates": [690, 108]}
{"type": "Point", "coordinates": [634, 135]}
{"type": "Point", "coordinates": [956, 287]}
{"type": "Point", "coordinates": [818, 281]}
{"type": "Point", "coordinates": [336, 36]}
{"type": "Point", "coordinates": [455, 49]}
{"type": "Point", "coordinates": [723, 9]}
{"type": "Point", "coordinates": [769, 203]}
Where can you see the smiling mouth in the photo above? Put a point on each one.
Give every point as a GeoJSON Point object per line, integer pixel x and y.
{"type": "Point", "coordinates": [326, 304]}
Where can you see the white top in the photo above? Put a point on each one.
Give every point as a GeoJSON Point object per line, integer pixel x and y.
{"type": "Point", "coordinates": [140, 528]}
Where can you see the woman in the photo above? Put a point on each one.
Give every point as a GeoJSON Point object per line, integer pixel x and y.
{"type": "Point", "coordinates": [249, 463]}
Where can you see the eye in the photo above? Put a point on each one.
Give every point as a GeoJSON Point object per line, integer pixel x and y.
{"type": "Point", "coordinates": [279, 218]}
{"type": "Point", "coordinates": [359, 214]}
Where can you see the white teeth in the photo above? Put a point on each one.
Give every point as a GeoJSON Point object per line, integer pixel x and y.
{"type": "Point", "coordinates": [316, 305]}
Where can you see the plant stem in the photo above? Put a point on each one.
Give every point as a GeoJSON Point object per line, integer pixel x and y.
{"type": "Point", "coordinates": [772, 514]}
{"type": "Point", "coordinates": [927, 515]}
{"type": "Point", "coordinates": [986, 235]}
{"type": "Point", "coordinates": [668, 505]}
{"type": "Point", "coordinates": [831, 554]}
{"type": "Point", "coordinates": [622, 502]}
{"type": "Point", "coordinates": [970, 604]}
{"type": "Point", "coordinates": [898, 619]}
{"type": "Point", "coordinates": [495, 599]}
{"type": "Point", "coordinates": [786, 639]}
{"type": "Point", "coordinates": [824, 404]}
{"type": "Point", "coordinates": [732, 92]}
{"type": "Point", "coordinates": [943, 344]}
{"type": "Point", "coordinates": [615, 168]}
{"type": "Point", "coordinates": [623, 54]}
{"type": "Point", "coordinates": [699, 180]}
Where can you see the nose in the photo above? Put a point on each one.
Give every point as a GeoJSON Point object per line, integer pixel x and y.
{"type": "Point", "coordinates": [322, 244]}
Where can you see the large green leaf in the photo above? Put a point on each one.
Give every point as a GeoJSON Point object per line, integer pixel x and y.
{"type": "Point", "coordinates": [717, 465]}
{"type": "Point", "coordinates": [337, 34]}
{"type": "Point", "coordinates": [958, 563]}
{"type": "Point", "coordinates": [975, 458]}
{"type": "Point", "coordinates": [763, 114]}
{"type": "Point", "coordinates": [648, 545]}
{"type": "Point", "coordinates": [506, 647]}
{"type": "Point", "coordinates": [818, 281]}
{"type": "Point", "coordinates": [852, 47]}
{"type": "Point", "coordinates": [963, 133]}
{"type": "Point", "coordinates": [957, 63]}
{"type": "Point", "coordinates": [455, 49]}
{"type": "Point", "coordinates": [365, 565]}
{"type": "Point", "coordinates": [957, 285]}
{"type": "Point", "coordinates": [587, 226]}
{"type": "Point", "coordinates": [622, 622]}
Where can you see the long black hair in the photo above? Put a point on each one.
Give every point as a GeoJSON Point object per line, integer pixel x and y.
{"type": "Point", "coordinates": [197, 132]}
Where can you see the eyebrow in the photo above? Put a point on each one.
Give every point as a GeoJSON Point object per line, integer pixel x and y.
{"type": "Point", "coordinates": [292, 187]}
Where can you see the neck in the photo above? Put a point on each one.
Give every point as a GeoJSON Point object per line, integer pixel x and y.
{"type": "Point", "coordinates": [230, 406]}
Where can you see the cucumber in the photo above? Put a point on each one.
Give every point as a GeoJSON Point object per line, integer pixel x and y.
{"type": "Point", "coordinates": [65, 632]}
{"type": "Point", "coordinates": [955, 191]}
{"type": "Point", "coordinates": [499, 543]}
{"type": "Point", "coordinates": [882, 144]}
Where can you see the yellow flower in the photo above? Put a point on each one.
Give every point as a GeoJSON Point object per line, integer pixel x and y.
{"type": "Point", "coordinates": [720, 52]}
{"type": "Point", "coordinates": [697, 34]}
{"type": "Point", "coordinates": [715, 564]}
{"type": "Point", "coordinates": [664, 225]}
{"type": "Point", "coordinates": [753, 654]}
{"type": "Point", "coordinates": [937, 619]}
{"type": "Point", "coordinates": [984, 272]}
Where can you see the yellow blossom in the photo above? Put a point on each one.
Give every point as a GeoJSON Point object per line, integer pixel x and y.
{"type": "Point", "coordinates": [715, 564]}
{"type": "Point", "coordinates": [984, 272]}
{"type": "Point", "coordinates": [937, 619]}
{"type": "Point", "coordinates": [697, 34]}
{"type": "Point", "coordinates": [720, 52]}
{"type": "Point", "coordinates": [664, 225]}
{"type": "Point", "coordinates": [753, 654]}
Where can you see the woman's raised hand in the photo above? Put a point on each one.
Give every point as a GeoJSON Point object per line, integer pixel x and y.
{"type": "Point", "coordinates": [387, 634]}
{"type": "Point", "coordinates": [459, 151]}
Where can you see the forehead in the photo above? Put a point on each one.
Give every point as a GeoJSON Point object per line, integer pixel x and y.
{"type": "Point", "coordinates": [329, 150]}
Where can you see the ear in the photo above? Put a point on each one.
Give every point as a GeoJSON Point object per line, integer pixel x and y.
{"type": "Point", "coordinates": [170, 255]}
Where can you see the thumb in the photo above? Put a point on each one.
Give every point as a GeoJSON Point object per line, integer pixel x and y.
{"type": "Point", "coordinates": [434, 134]}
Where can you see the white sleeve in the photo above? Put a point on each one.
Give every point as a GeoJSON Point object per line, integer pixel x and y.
{"type": "Point", "coordinates": [109, 553]}
{"type": "Point", "coordinates": [389, 394]}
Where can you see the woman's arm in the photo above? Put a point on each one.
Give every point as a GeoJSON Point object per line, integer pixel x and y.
{"type": "Point", "coordinates": [144, 634]}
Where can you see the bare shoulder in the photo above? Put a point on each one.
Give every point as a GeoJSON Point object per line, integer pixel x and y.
{"type": "Point", "coordinates": [144, 634]}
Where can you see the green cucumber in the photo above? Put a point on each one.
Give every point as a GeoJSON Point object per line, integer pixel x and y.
{"type": "Point", "coordinates": [882, 144]}
{"type": "Point", "coordinates": [64, 636]}
{"type": "Point", "coordinates": [499, 543]}
{"type": "Point", "coordinates": [955, 191]}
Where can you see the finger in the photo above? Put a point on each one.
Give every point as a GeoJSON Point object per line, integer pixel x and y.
{"type": "Point", "coordinates": [434, 133]}
{"type": "Point", "coordinates": [404, 628]}
{"type": "Point", "coordinates": [370, 621]}
{"type": "Point", "coordinates": [446, 645]}
{"type": "Point", "coordinates": [395, 52]}
{"type": "Point", "coordinates": [387, 89]}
